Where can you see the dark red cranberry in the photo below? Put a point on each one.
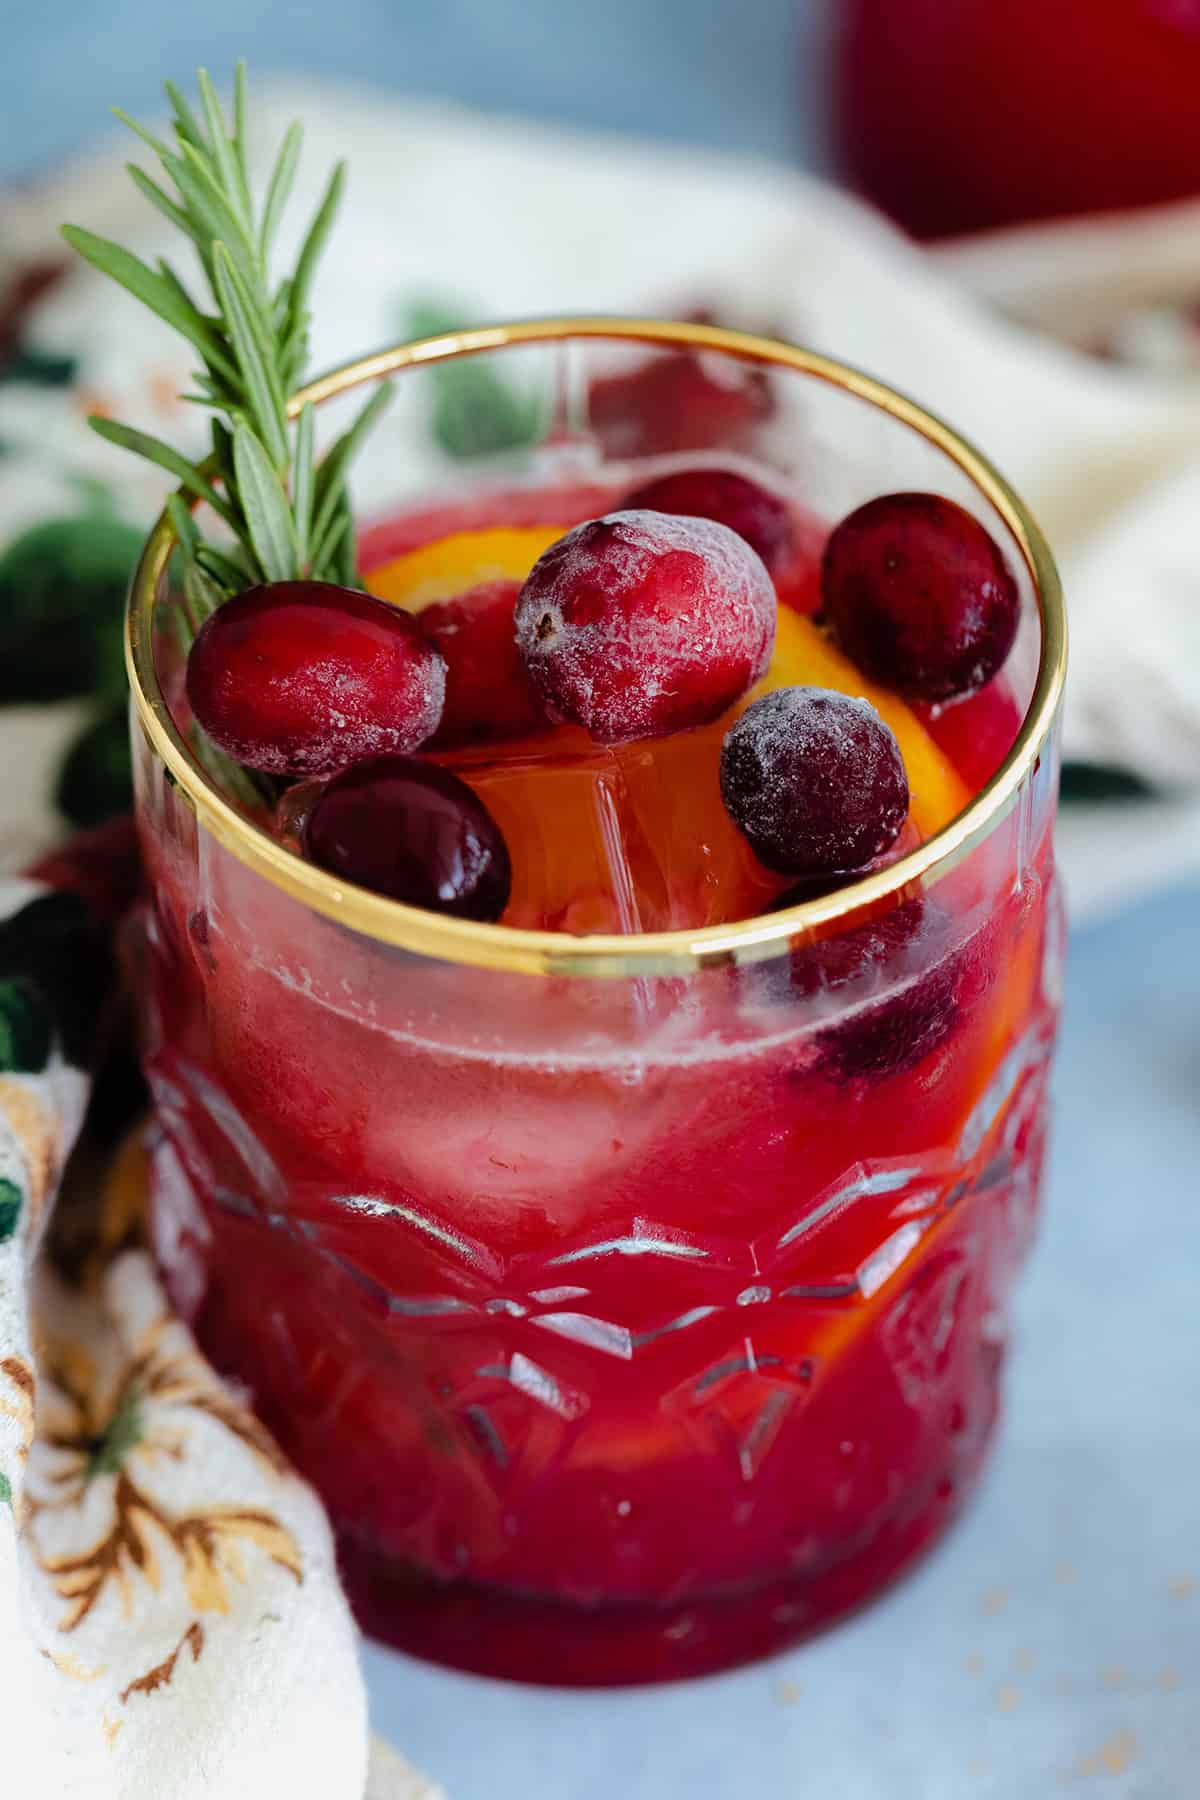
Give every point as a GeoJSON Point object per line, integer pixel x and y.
{"type": "Point", "coordinates": [640, 624]}
{"type": "Point", "coordinates": [814, 780]}
{"type": "Point", "coordinates": [754, 512]}
{"type": "Point", "coordinates": [919, 595]}
{"type": "Point", "coordinates": [415, 832]}
{"type": "Point", "coordinates": [676, 401]}
{"type": "Point", "coordinates": [304, 678]}
{"type": "Point", "coordinates": [898, 978]}
{"type": "Point", "coordinates": [489, 695]}
{"type": "Point", "coordinates": [888, 1036]}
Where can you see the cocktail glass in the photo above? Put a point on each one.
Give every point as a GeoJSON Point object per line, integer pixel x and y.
{"type": "Point", "coordinates": [636, 1301]}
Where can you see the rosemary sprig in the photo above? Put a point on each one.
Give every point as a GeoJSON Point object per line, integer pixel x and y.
{"type": "Point", "coordinates": [289, 517]}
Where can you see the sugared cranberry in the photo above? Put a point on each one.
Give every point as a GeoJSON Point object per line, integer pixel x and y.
{"type": "Point", "coordinates": [679, 400]}
{"type": "Point", "coordinates": [640, 624]}
{"type": "Point", "coordinates": [304, 678]}
{"type": "Point", "coordinates": [919, 595]}
{"type": "Point", "coordinates": [897, 979]}
{"type": "Point", "coordinates": [898, 1031]}
{"type": "Point", "coordinates": [412, 831]}
{"type": "Point", "coordinates": [489, 694]}
{"type": "Point", "coordinates": [756, 514]}
{"type": "Point", "coordinates": [814, 780]}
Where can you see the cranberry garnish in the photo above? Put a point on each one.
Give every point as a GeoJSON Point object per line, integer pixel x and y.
{"type": "Point", "coordinates": [919, 595]}
{"type": "Point", "coordinates": [415, 832]}
{"type": "Point", "coordinates": [907, 951]}
{"type": "Point", "coordinates": [489, 695]}
{"type": "Point", "coordinates": [303, 678]}
{"type": "Point", "coordinates": [756, 514]}
{"type": "Point", "coordinates": [640, 624]}
{"type": "Point", "coordinates": [814, 780]}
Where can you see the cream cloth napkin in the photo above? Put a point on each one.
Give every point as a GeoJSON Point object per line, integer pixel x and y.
{"type": "Point", "coordinates": [216, 1657]}
{"type": "Point", "coordinates": [171, 1624]}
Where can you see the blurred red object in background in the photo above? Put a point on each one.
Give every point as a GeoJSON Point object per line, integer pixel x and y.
{"type": "Point", "coordinates": [957, 115]}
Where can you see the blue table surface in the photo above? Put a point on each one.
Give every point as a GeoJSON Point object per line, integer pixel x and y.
{"type": "Point", "coordinates": [1053, 1644]}
{"type": "Point", "coordinates": [738, 74]}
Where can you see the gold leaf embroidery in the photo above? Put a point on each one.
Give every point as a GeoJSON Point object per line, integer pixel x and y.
{"type": "Point", "coordinates": [101, 1427]}
{"type": "Point", "coordinates": [161, 1674]}
{"type": "Point", "coordinates": [123, 1197]}
{"type": "Point", "coordinates": [33, 1128]}
{"type": "Point", "coordinates": [71, 1667]}
{"type": "Point", "coordinates": [19, 1376]}
{"type": "Point", "coordinates": [203, 1541]}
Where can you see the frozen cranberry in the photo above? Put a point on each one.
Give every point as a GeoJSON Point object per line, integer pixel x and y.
{"type": "Point", "coordinates": [303, 678]}
{"type": "Point", "coordinates": [897, 977]}
{"type": "Point", "coordinates": [887, 1036]}
{"type": "Point", "coordinates": [640, 624]}
{"type": "Point", "coordinates": [814, 780]}
{"type": "Point", "coordinates": [679, 400]}
{"type": "Point", "coordinates": [761, 517]}
{"type": "Point", "coordinates": [415, 832]}
{"type": "Point", "coordinates": [919, 595]}
{"type": "Point", "coordinates": [489, 695]}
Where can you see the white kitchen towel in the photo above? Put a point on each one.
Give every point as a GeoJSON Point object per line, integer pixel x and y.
{"type": "Point", "coordinates": [171, 1622]}
{"type": "Point", "coordinates": [181, 1631]}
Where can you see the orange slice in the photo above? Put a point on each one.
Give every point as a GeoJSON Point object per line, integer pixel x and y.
{"type": "Point", "coordinates": [453, 565]}
{"type": "Point", "coordinates": [805, 657]}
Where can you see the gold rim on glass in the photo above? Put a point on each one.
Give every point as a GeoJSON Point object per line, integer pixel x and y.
{"type": "Point", "coordinates": [651, 953]}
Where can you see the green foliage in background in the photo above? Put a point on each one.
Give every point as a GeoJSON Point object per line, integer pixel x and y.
{"type": "Point", "coordinates": [1094, 784]}
{"type": "Point", "coordinates": [62, 596]}
{"type": "Point", "coordinates": [96, 779]}
{"type": "Point", "coordinates": [476, 411]}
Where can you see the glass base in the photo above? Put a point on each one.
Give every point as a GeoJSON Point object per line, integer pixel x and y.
{"type": "Point", "coordinates": [530, 1638]}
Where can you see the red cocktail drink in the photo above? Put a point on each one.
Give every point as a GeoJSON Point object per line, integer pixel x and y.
{"type": "Point", "coordinates": [630, 1276]}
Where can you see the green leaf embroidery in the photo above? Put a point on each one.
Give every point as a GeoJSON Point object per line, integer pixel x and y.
{"type": "Point", "coordinates": [55, 945]}
{"type": "Point", "coordinates": [123, 1433]}
{"type": "Point", "coordinates": [5, 1491]}
{"type": "Point", "coordinates": [10, 1208]}
{"type": "Point", "coordinates": [26, 1032]}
